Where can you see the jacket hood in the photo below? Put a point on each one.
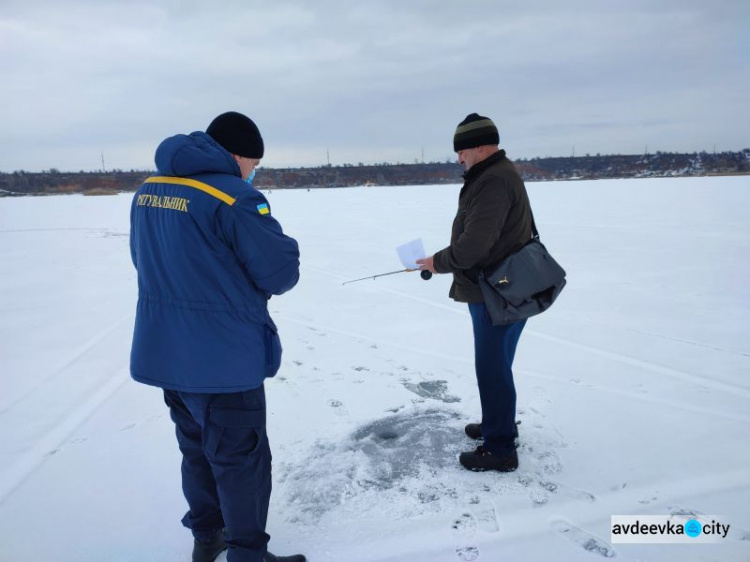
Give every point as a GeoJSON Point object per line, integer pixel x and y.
{"type": "Point", "coordinates": [196, 153]}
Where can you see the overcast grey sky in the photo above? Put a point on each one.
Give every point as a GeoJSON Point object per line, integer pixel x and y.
{"type": "Point", "coordinates": [370, 81]}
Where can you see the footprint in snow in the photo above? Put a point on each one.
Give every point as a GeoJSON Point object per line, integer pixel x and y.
{"type": "Point", "coordinates": [737, 533]}
{"type": "Point", "coordinates": [550, 462]}
{"type": "Point", "coordinates": [464, 527]}
{"type": "Point", "coordinates": [338, 408]}
{"type": "Point", "coordinates": [584, 539]}
{"type": "Point", "coordinates": [435, 390]}
{"type": "Point", "coordinates": [487, 520]}
{"type": "Point", "coordinates": [566, 492]}
{"type": "Point", "coordinates": [538, 496]}
{"type": "Point", "coordinates": [580, 495]}
{"type": "Point", "coordinates": [549, 486]}
{"type": "Point", "coordinates": [467, 553]}
{"type": "Point", "coordinates": [683, 512]}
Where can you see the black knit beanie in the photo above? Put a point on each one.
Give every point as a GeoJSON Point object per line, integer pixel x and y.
{"type": "Point", "coordinates": [475, 131]}
{"type": "Point", "coordinates": [237, 134]}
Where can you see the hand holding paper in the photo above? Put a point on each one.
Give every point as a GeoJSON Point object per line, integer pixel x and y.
{"type": "Point", "coordinates": [410, 252]}
{"type": "Point", "coordinates": [427, 265]}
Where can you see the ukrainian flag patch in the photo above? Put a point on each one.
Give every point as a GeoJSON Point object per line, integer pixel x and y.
{"type": "Point", "coordinates": [263, 209]}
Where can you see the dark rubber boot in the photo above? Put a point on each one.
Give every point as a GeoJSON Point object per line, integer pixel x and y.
{"type": "Point", "coordinates": [474, 431]}
{"type": "Point", "coordinates": [209, 551]}
{"type": "Point", "coordinates": [480, 460]}
{"type": "Point", "coordinates": [293, 558]}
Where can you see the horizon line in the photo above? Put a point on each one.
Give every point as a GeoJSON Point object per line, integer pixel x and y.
{"type": "Point", "coordinates": [378, 164]}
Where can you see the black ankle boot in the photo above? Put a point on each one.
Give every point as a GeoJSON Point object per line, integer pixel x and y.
{"type": "Point", "coordinates": [208, 551]}
{"type": "Point", "coordinates": [474, 431]}
{"type": "Point", "coordinates": [481, 460]}
{"type": "Point", "coordinates": [293, 558]}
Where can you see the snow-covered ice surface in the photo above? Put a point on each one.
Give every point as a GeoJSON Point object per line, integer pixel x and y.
{"type": "Point", "coordinates": [633, 389]}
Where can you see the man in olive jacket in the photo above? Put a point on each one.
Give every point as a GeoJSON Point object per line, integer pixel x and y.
{"type": "Point", "coordinates": [493, 221]}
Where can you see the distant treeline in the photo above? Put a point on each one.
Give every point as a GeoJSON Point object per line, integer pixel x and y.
{"type": "Point", "coordinates": [660, 164]}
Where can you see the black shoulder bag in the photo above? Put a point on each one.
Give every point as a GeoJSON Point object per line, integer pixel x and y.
{"type": "Point", "coordinates": [524, 284]}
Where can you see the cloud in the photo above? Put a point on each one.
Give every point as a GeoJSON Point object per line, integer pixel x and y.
{"type": "Point", "coordinates": [368, 81]}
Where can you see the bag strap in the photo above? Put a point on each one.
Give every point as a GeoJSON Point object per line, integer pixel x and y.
{"type": "Point", "coordinates": [534, 231]}
{"type": "Point", "coordinates": [535, 234]}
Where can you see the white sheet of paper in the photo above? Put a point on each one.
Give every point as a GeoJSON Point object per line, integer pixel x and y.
{"type": "Point", "coordinates": [410, 252]}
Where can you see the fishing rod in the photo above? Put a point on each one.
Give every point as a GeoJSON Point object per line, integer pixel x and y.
{"type": "Point", "coordinates": [424, 274]}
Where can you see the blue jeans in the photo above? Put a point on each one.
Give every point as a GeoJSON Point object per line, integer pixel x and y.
{"type": "Point", "coordinates": [226, 467]}
{"type": "Point", "coordinates": [494, 350]}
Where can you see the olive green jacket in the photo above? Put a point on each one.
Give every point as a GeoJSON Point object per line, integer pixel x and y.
{"type": "Point", "coordinates": [493, 221]}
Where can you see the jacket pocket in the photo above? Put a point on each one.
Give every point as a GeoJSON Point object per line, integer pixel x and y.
{"type": "Point", "coordinates": [272, 348]}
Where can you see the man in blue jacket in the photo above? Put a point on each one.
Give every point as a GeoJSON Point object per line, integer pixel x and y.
{"type": "Point", "coordinates": [209, 255]}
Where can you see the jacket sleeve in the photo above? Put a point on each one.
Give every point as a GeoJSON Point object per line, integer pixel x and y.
{"type": "Point", "coordinates": [483, 223]}
{"type": "Point", "coordinates": [270, 257]}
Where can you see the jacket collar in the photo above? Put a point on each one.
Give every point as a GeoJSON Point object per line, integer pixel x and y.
{"type": "Point", "coordinates": [480, 167]}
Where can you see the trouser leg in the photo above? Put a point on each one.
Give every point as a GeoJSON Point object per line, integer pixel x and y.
{"type": "Point", "coordinates": [494, 350]}
{"type": "Point", "coordinates": [236, 446]}
{"type": "Point", "coordinates": [198, 484]}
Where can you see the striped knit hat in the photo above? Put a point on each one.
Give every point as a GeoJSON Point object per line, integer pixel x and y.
{"type": "Point", "coordinates": [475, 131]}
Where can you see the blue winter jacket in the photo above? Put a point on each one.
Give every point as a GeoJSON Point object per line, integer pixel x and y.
{"type": "Point", "coordinates": [209, 255]}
